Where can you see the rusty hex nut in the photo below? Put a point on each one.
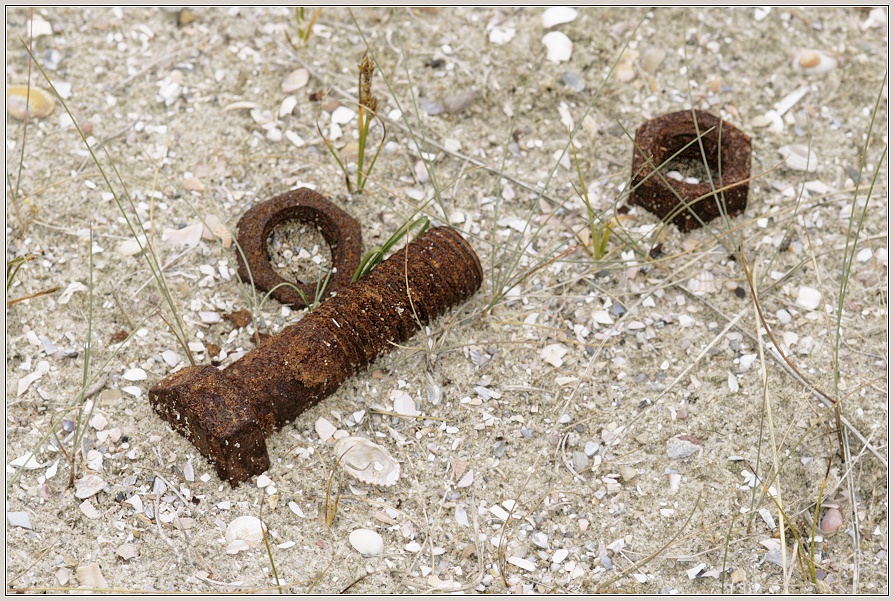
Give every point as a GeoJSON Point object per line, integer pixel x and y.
{"type": "Point", "coordinates": [340, 230]}
{"type": "Point", "coordinates": [659, 139]}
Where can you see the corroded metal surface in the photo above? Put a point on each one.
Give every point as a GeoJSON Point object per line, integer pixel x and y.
{"type": "Point", "coordinates": [658, 139]}
{"type": "Point", "coordinates": [228, 414]}
{"type": "Point", "coordinates": [340, 230]}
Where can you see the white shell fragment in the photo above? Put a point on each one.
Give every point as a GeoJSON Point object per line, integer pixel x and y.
{"type": "Point", "coordinates": [127, 551]}
{"type": "Point", "coordinates": [652, 58]}
{"type": "Point", "coordinates": [367, 461]}
{"type": "Point", "coordinates": [522, 563]}
{"type": "Point", "coordinates": [403, 403]}
{"type": "Point", "coordinates": [501, 36]}
{"type": "Point", "coordinates": [135, 375]}
{"type": "Point", "coordinates": [556, 15]}
{"type": "Point", "coordinates": [366, 542]}
{"type": "Point", "coordinates": [342, 115]}
{"type": "Point", "coordinates": [170, 357]}
{"type": "Point", "coordinates": [88, 486]}
{"type": "Point", "coordinates": [553, 353]}
{"type": "Point", "coordinates": [324, 429]}
{"type": "Point", "coordinates": [703, 283]}
{"type": "Point", "coordinates": [89, 510]}
{"type": "Point", "coordinates": [244, 532]}
{"type": "Point", "coordinates": [296, 80]}
{"type": "Point", "coordinates": [814, 61]}
{"type": "Point", "coordinates": [809, 298]}
{"type": "Point", "coordinates": [800, 158]}
{"type": "Point", "coordinates": [27, 461]}
{"type": "Point", "coordinates": [188, 236]}
{"type": "Point", "coordinates": [558, 46]}
{"type": "Point", "coordinates": [90, 576]}
{"type": "Point", "coordinates": [69, 291]}
{"type": "Point", "coordinates": [26, 381]}
{"type": "Point", "coordinates": [38, 27]}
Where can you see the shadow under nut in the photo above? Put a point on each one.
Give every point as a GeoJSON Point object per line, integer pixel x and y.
{"type": "Point", "coordinates": [339, 229]}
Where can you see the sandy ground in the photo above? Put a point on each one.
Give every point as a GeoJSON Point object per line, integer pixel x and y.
{"type": "Point", "coordinates": [551, 460]}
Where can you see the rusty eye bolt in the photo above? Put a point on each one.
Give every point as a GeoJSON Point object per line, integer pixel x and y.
{"type": "Point", "coordinates": [227, 414]}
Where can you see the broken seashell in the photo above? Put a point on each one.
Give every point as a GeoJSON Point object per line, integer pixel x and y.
{"type": "Point", "coordinates": [558, 46]}
{"type": "Point", "coordinates": [226, 238]}
{"type": "Point", "coordinates": [246, 528]}
{"type": "Point", "coordinates": [324, 428]}
{"type": "Point", "coordinates": [652, 59]}
{"type": "Point", "coordinates": [90, 576]}
{"type": "Point", "coordinates": [815, 61]}
{"type": "Point", "coordinates": [296, 80]}
{"type": "Point", "coordinates": [88, 486]}
{"type": "Point", "coordinates": [557, 15]}
{"type": "Point", "coordinates": [38, 103]}
{"type": "Point", "coordinates": [127, 551]}
{"type": "Point", "coordinates": [366, 541]}
{"type": "Point", "coordinates": [703, 283]}
{"type": "Point", "coordinates": [800, 158]}
{"type": "Point", "coordinates": [187, 236]}
{"type": "Point", "coordinates": [809, 298]}
{"type": "Point", "coordinates": [367, 461]}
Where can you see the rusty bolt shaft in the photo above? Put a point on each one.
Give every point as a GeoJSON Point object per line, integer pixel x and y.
{"type": "Point", "coordinates": [228, 414]}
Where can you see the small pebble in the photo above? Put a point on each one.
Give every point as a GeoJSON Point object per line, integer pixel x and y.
{"type": "Point", "coordinates": [430, 107]}
{"type": "Point", "coordinates": [683, 446]}
{"type": "Point", "coordinates": [618, 309]}
{"type": "Point", "coordinates": [831, 522]}
{"type": "Point", "coordinates": [580, 461]}
{"type": "Point", "coordinates": [343, 115]}
{"type": "Point", "coordinates": [784, 317]}
{"type": "Point", "coordinates": [19, 519]}
{"type": "Point", "coordinates": [573, 81]}
{"type": "Point", "coordinates": [459, 101]}
{"type": "Point", "coordinates": [591, 448]}
{"type": "Point", "coordinates": [627, 472]}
